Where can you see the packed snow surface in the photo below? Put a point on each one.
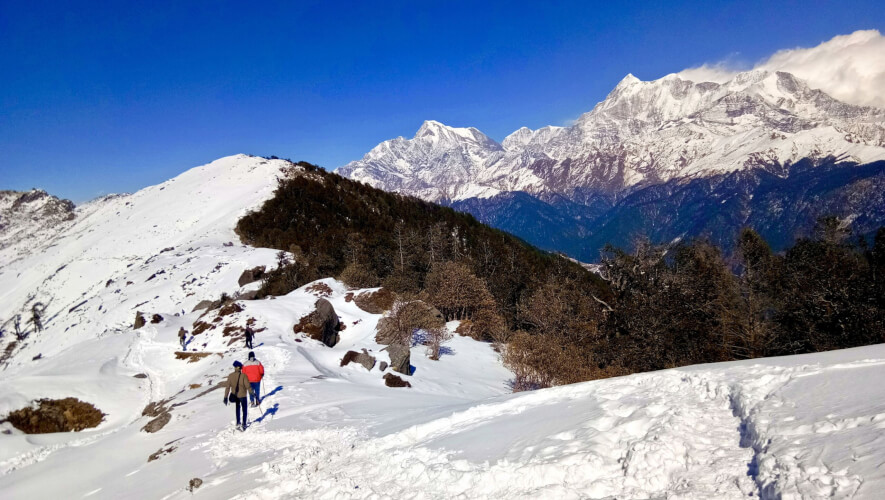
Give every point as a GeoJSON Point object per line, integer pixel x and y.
{"type": "Point", "coordinates": [794, 427]}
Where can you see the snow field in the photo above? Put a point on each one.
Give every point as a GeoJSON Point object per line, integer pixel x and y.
{"type": "Point", "coordinates": [794, 427]}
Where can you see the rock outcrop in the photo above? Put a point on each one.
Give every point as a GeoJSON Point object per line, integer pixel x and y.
{"type": "Point", "coordinates": [322, 324]}
{"type": "Point", "coordinates": [251, 275]}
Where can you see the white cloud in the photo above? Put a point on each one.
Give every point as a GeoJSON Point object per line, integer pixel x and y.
{"type": "Point", "coordinates": [850, 68]}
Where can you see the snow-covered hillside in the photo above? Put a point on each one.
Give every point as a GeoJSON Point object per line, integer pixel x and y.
{"type": "Point", "coordinates": [799, 427]}
{"type": "Point", "coordinates": [642, 133]}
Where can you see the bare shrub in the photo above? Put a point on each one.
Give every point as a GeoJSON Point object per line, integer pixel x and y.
{"type": "Point", "coordinates": [358, 275]}
{"type": "Point", "coordinates": [436, 337]}
{"type": "Point", "coordinates": [456, 291]}
{"type": "Point", "coordinates": [404, 318]}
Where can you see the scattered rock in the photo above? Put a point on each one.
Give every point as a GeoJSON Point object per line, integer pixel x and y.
{"type": "Point", "coordinates": [204, 304]}
{"type": "Point", "coordinates": [156, 318]}
{"type": "Point", "coordinates": [196, 482]}
{"type": "Point", "coordinates": [232, 330]}
{"type": "Point", "coordinates": [375, 302]}
{"type": "Point", "coordinates": [400, 358]}
{"type": "Point", "coordinates": [319, 289]}
{"type": "Point", "coordinates": [382, 365]}
{"type": "Point", "coordinates": [155, 408]}
{"type": "Point", "coordinates": [322, 324]}
{"type": "Point", "coordinates": [229, 309]}
{"type": "Point", "coordinates": [250, 295]}
{"type": "Point", "coordinates": [56, 415]}
{"type": "Point", "coordinates": [157, 423]}
{"type": "Point", "coordinates": [38, 356]}
{"type": "Point", "coordinates": [201, 326]}
{"type": "Point", "coordinates": [391, 380]}
{"type": "Point", "coordinates": [363, 358]}
{"type": "Point", "coordinates": [140, 375]}
{"type": "Point", "coordinates": [192, 357]}
{"type": "Point", "coordinates": [139, 320]}
{"type": "Point", "coordinates": [159, 453]}
{"type": "Point", "coordinates": [156, 274]}
{"type": "Point", "coordinates": [251, 275]}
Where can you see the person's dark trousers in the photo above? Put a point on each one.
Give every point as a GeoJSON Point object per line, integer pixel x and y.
{"type": "Point", "coordinates": [249, 342]}
{"type": "Point", "coordinates": [241, 403]}
{"type": "Point", "coordinates": [255, 398]}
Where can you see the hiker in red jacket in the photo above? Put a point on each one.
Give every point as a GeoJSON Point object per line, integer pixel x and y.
{"type": "Point", "coordinates": [254, 370]}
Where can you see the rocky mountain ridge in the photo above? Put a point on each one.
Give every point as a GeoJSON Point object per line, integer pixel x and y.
{"type": "Point", "coordinates": [643, 133]}
{"type": "Point", "coordinates": [29, 216]}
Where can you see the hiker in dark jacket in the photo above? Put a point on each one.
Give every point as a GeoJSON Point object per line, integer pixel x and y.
{"type": "Point", "coordinates": [182, 334]}
{"type": "Point", "coordinates": [238, 388]}
{"type": "Point", "coordinates": [249, 334]}
{"type": "Point", "coordinates": [255, 371]}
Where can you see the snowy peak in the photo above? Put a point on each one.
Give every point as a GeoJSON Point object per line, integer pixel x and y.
{"type": "Point", "coordinates": [642, 133]}
{"type": "Point", "coordinates": [437, 157]}
{"type": "Point", "coordinates": [440, 135]}
{"type": "Point", "coordinates": [518, 140]}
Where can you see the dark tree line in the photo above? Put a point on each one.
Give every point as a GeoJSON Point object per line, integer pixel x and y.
{"type": "Point", "coordinates": [333, 226]}
{"type": "Point", "coordinates": [556, 323]}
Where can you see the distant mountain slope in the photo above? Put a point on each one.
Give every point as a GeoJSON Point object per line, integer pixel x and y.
{"type": "Point", "coordinates": [781, 209]}
{"type": "Point", "coordinates": [591, 183]}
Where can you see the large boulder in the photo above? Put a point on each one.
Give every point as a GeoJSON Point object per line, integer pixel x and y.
{"type": "Point", "coordinates": [322, 324]}
{"type": "Point", "coordinates": [139, 320]}
{"type": "Point", "coordinates": [362, 358]}
{"type": "Point", "coordinates": [391, 380]}
{"type": "Point", "coordinates": [251, 275]}
{"type": "Point", "coordinates": [206, 304]}
{"type": "Point", "coordinates": [157, 423]}
{"type": "Point", "coordinates": [400, 358]}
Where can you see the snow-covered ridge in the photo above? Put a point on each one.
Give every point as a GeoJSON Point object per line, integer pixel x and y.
{"type": "Point", "coordinates": [642, 133]}
{"type": "Point", "coordinates": [106, 238]}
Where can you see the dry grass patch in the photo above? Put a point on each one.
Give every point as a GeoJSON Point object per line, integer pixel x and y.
{"type": "Point", "coordinates": [56, 415]}
{"type": "Point", "coordinates": [193, 357]}
{"type": "Point", "coordinates": [375, 302]}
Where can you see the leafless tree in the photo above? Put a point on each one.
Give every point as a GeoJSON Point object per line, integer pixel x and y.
{"type": "Point", "coordinates": [436, 337]}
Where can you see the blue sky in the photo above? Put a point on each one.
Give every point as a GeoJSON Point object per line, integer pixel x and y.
{"type": "Point", "coordinates": [100, 97]}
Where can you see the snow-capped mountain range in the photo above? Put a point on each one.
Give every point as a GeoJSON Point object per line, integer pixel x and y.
{"type": "Point", "coordinates": [642, 134]}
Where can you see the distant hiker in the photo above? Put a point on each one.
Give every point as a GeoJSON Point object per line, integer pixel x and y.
{"type": "Point", "coordinates": [235, 391]}
{"type": "Point", "coordinates": [254, 370]}
{"type": "Point", "coordinates": [182, 334]}
{"type": "Point", "coordinates": [249, 334]}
